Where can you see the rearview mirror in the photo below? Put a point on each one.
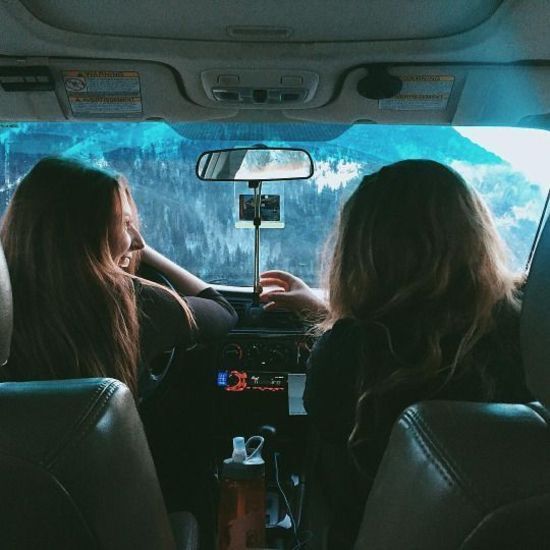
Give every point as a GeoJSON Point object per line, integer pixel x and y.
{"type": "Point", "coordinates": [251, 164]}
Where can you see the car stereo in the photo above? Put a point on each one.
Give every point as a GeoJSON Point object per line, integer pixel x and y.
{"type": "Point", "coordinates": [238, 381]}
{"type": "Point", "coordinates": [255, 382]}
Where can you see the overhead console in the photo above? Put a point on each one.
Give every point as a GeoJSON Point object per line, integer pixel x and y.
{"type": "Point", "coordinates": [266, 89]}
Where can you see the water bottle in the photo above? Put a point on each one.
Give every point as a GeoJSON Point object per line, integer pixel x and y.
{"type": "Point", "coordinates": [241, 518]}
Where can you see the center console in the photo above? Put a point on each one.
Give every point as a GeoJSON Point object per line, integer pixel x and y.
{"type": "Point", "coordinates": [260, 380]}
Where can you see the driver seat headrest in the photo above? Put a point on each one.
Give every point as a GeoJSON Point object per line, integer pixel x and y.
{"type": "Point", "coordinates": [535, 321]}
{"type": "Point", "coordinates": [6, 310]}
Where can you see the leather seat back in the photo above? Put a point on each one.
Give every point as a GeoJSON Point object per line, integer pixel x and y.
{"type": "Point", "coordinates": [535, 321]}
{"type": "Point", "coordinates": [462, 475]}
{"type": "Point", "coordinates": [6, 310]}
{"type": "Point", "coordinates": [473, 475]}
{"type": "Point", "coordinates": [75, 469]}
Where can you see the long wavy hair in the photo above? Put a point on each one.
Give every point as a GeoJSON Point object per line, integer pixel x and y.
{"type": "Point", "coordinates": [75, 312]}
{"type": "Point", "coordinates": [417, 262]}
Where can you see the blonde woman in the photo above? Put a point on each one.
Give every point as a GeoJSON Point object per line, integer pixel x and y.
{"type": "Point", "coordinates": [420, 306]}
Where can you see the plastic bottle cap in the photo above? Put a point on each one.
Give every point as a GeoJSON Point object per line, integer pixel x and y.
{"type": "Point", "coordinates": [244, 465]}
{"type": "Point", "coordinates": [239, 450]}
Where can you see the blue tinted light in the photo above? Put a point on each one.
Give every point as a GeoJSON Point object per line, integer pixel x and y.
{"type": "Point", "coordinates": [222, 378]}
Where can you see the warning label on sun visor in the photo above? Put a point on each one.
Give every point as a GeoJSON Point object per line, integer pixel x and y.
{"type": "Point", "coordinates": [103, 93]}
{"type": "Point", "coordinates": [421, 93]}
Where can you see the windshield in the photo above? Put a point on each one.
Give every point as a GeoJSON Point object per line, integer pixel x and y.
{"type": "Point", "coordinates": [197, 223]}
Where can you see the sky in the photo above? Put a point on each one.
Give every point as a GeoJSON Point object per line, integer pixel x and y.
{"type": "Point", "coordinates": [526, 150]}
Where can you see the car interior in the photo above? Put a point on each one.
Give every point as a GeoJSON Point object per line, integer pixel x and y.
{"type": "Point", "coordinates": [150, 88]}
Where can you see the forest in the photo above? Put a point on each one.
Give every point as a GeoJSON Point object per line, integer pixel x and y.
{"type": "Point", "coordinates": [193, 222]}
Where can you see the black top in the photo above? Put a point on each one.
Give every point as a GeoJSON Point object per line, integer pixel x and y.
{"type": "Point", "coordinates": [163, 326]}
{"type": "Point", "coordinates": [163, 322]}
{"type": "Point", "coordinates": [331, 394]}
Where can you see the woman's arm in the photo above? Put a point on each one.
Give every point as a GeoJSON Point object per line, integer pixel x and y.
{"type": "Point", "coordinates": [290, 293]}
{"type": "Point", "coordinates": [213, 314]}
{"type": "Point", "coordinates": [183, 281]}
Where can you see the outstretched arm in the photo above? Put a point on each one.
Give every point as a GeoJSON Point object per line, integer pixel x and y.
{"type": "Point", "coordinates": [214, 316]}
{"type": "Point", "coordinates": [184, 281]}
{"type": "Point", "coordinates": [290, 293]}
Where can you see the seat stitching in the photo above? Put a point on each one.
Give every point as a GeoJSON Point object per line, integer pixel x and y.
{"type": "Point", "coordinates": [92, 412]}
{"type": "Point", "coordinates": [440, 460]}
{"type": "Point", "coordinates": [61, 442]}
{"type": "Point", "coordinates": [57, 481]}
{"type": "Point", "coordinates": [511, 495]}
{"type": "Point", "coordinates": [410, 424]}
{"type": "Point", "coordinates": [540, 414]}
{"type": "Point", "coordinates": [459, 474]}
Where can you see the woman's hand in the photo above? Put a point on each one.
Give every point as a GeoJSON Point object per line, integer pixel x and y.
{"type": "Point", "coordinates": [290, 293]}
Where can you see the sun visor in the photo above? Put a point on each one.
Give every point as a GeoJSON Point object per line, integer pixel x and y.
{"type": "Point", "coordinates": [78, 89]}
{"type": "Point", "coordinates": [461, 95]}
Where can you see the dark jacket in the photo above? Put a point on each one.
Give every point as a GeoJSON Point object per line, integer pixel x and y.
{"type": "Point", "coordinates": [163, 326]}
{"type": "Point", "coordinates": [336, 366]}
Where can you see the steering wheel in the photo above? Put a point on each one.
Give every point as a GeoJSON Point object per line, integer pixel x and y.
{"type": "Point", "coordinates": [163, 362]}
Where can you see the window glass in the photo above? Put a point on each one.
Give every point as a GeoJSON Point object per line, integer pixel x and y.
{"type": "Point", "coordinates": [197, 223]}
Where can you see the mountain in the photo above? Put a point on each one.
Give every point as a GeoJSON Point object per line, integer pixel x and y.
{"type": "Point", "coordinates": [194, 222]}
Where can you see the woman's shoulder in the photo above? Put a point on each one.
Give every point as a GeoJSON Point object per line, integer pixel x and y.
{"type": "Point", "coordinates": [156, 301]}
{"type": "Point", "coordinates": [144, 289]}
{"type": "Point", "coordinates": [337, 348]}
{"type": "Point", "coordinates": [503, 352]}
{"type": "Point", "coordinates": [506, 316]}
{"type": "Point", "coordinates": [345, 329]}
{"type": "Point", "coordinates": [331, 377]}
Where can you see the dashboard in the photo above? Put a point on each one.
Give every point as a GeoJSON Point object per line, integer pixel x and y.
{"type": "Point", "coordinates": [260, 381]}
{"type": "Point", "coordinates": [260, 370]}
{"type": "Point", "coordinates": [273, 341]}
{"type": "Point", "coordinates": [266, 353]}
{"type": "Point", "coordinates": [250, 361]}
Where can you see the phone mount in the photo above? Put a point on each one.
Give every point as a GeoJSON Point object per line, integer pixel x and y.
{"type": "Point", "coordinates": [256, 186]}
{"type": "Point", "coordinates": [255, 165]}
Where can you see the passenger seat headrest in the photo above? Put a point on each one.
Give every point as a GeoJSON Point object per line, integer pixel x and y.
{"type": "Point", "coordinates": [535, 321]}
{"type": "Point", "coordinates": [6, 310]}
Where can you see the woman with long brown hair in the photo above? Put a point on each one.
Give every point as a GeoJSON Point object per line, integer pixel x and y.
{"type": "Point", "coordinates": [420, 306]}
{"type": "Point", "coordinates": [71, 239]}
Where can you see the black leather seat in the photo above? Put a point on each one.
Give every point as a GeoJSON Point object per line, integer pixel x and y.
{"type": "Point", "coordinates": [472, 475]}
{"type": "Point", "coordinates": [75, 467]}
